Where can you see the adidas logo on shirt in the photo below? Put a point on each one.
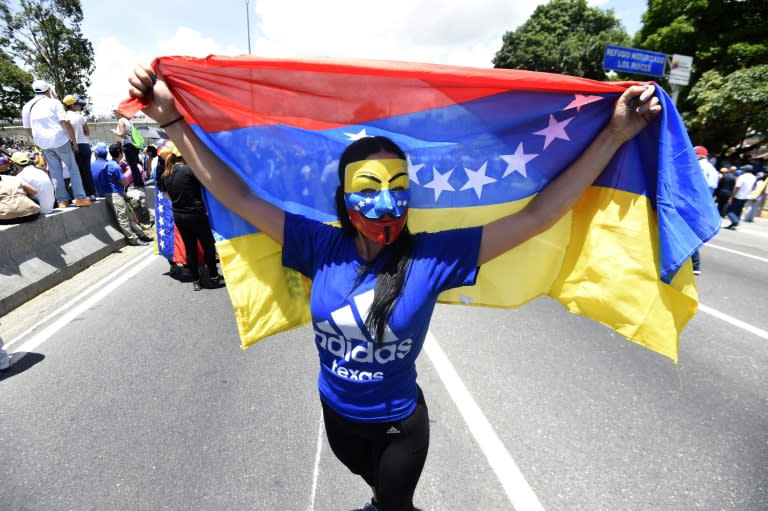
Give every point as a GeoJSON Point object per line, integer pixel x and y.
{"type": "Point", "coordinates": [350, 344]}
{"type": "Point", "coordinates": [393, 431]}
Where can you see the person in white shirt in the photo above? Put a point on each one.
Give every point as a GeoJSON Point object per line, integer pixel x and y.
{"type": "Point", "coordinates": [710, 172]}
{"type": "Point", "coordinates": [37, 179]}
{"type": "Point", "coordinates": [46, 122]}
{"type": "Point", "coordinates": [74, 106]}
{"type": "Point", "coordinates": [741, 193]}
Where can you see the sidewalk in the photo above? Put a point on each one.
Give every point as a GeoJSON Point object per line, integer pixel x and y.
{"type": "Point", "coordinates": [36, 256]}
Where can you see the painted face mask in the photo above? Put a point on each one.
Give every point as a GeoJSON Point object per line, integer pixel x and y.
{"type": "Point", "coordinates": [377, 195]}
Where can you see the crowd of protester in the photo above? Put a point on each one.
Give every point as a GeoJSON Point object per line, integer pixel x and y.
{"type": "Point", "coordinates": [738, 190]}
{"type": "Point", "coordinates": [737, 186]}
{"type": "Point", "coordinates": [55, 170]}
{"type": "Point", "coordinates": [62, 168]}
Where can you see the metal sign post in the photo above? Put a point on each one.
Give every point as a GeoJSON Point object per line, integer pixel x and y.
{"type": "Point", "coordinates": [679, 73]}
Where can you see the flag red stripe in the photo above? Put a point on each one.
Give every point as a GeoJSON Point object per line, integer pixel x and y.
{"type": "Point", "coordinates": [235, 92]}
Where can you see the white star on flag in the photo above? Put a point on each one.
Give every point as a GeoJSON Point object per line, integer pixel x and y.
{"type": "Point", "coordinates": [581, 100]}
{"type": "Point", "coordinates": [162, 244]}
{"type": "Point", "coordinates": [555, 129]}
{"type": "Point", "coordinates": [439, 183]}
{"type": "Point", "coordinates": [516, 162]}
{"type": "Point", "coordinates": [476, 179]}
{"type": "Point", "coordinates": [160, 207]}
{"type": "Point", "coordinates": [161, 232]}
{"type": "Point", "coordinates": [413, 170]}
{"type": "Point", "coordinates": [160, 219]}
{"type": "Point", "coordinates": [356, 136]}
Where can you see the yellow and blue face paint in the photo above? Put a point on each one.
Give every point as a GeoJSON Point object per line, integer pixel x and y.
{"type": "Point", "coordinates": [376, 188]}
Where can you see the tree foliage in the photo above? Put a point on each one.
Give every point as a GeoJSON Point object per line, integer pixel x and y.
{"type": "Point", "coordinates": [720, 35]}
{"type": "Point", "coordinates": [728, 108]}
{"type": "Point", "coordinates": [563, 36]}
{"type": "Point", "coordinates": [45, 35]}
{"type": "Point", "coordinates": [15, 88]}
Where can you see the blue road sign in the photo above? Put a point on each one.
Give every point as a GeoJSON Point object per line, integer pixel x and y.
{"type": "Point", "coordinates": [632, 60]}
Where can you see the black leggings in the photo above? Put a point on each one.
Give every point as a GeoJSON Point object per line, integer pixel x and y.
{"type": "Point", "coordinates": [193, 228]}
{"type": "Point", "coordinates": [388, 461]}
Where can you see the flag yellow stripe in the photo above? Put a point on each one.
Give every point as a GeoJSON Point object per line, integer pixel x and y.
{"type": "Point", "coordinates": [267, 297]}
{"type": "Point", "coordinates": [600, 260]}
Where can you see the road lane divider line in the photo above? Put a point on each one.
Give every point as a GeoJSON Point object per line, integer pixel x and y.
{"type": "Point", "coordinates": [86, 292]}
{"type": "Point", "coordinates": [512, 480]}
{"type": "Point", "coordinates": [743, 254]}
{"type": "Point", "coordinates": [103, 288]}
{"type": "Point", "coordinates": [316, 470]}
{"type": "Point", "coordinates": [735, 322]}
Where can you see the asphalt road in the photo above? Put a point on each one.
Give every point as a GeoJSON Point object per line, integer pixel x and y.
{"type": "Point", "coordinates": [130, 392]}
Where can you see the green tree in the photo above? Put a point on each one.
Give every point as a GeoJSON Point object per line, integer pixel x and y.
{"type": "Point", "coordinates": [720, 35]}
{"type": "Point", "coordinates": [45, 36]}
{"type": "Point", "coordinates": [726, 109]}
{"type": "Point", "coordinates": [15, 88]}
{"type": "Point", "coordinates": [563, 36]}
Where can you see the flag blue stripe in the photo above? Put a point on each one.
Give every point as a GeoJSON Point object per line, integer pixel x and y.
{"type": "Point", "coordinates": [296, 169]}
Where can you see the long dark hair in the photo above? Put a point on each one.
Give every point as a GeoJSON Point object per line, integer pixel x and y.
{"type": "Point", "coordinates": [391, 277]}
{"type": "Point", "coordinates": [170, 164]}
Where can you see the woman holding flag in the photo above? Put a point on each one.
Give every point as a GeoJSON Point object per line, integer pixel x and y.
{"type": "Point", "coordinates": [375, 285]}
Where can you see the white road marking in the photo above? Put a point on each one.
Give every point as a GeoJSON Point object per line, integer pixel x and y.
{"type": "Point", "coordinates": [512, 480]}
{"type": "Point", "coordinates": [735, 322]}
{"type": "Point", "coordinates": [103, 288]}
{"type": "Point", "coordinates": [743, 254]}
{"type": "Point", "coordinates": [87, 292]}
{"type": "Point", "coordinates": [316, 471]}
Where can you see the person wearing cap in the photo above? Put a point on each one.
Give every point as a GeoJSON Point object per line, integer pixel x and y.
{"type": "Point", "coordinates": [37, 179]}
{"type": "Point", "coordinates": [16, 203]}
{"type": "Point", "coordinates": [100, 151]}
{"type": "Point", "coordinates": [47, 123]}
{"type": "Point", "coordinates": [109, 178]}
{"type": "Point", "coordinates": [710, 172]}
{"type": "Point", "coordinates": [189, 215]}
{"type": "Point", "coordinates": [74, 106]}
{"type": "Point", "coordinates": [745, 183]}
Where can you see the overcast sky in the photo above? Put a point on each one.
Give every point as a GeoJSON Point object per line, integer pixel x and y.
{"type": "Point", "coordinates": [461, 32]}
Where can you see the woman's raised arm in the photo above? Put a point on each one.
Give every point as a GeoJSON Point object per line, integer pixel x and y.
{"type": "Point", "coordinates": [212, 172]}
{"type": "Point", "coordinates": [561, 194]}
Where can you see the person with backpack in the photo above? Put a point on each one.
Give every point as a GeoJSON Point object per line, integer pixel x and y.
{"type": "Point", "coordinates": [47, 124]}
{"type": "Point", "coordinates": [132, 142]}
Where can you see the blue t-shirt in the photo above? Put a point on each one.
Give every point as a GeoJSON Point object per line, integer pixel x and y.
{"type": "Point", "coordinates": [106, 177]}
{"type": "Point", "coordinates": [97, 167]}
{"type": "Point", "coordinates": [360, 378]}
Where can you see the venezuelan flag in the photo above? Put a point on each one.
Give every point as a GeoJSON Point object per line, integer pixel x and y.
{"type": "Point", "coordinates": [481, 144]}
{"type": "Point", "coordinates": [168, 241]}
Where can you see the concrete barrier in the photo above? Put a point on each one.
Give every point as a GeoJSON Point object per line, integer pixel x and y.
{"type": "Point", "coordinates": [36, 256]}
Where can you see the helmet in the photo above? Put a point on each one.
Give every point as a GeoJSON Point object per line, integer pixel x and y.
{"type": "Point", "coordinates": [700, 150]}
{"type": "Point", "coordinates": [69, 100]}
{"type": "Point", "coordinates": [20, 158]}
{"type": "Point", "coordinates": [166, 148]}
{"type": "Point", "coordinates": [101, 150]}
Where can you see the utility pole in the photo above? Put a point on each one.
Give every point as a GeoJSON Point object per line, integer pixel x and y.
{"type": "Point", "coordinates": [248, 24]}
